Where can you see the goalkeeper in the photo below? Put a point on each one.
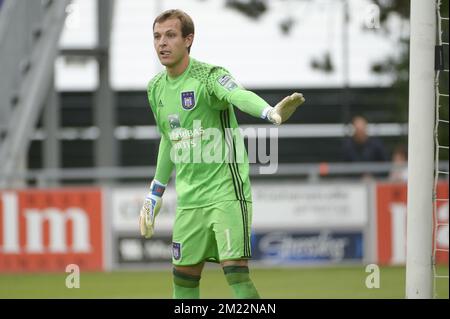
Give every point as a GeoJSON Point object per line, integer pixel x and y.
{"type": "Point", "coordinates": [214, 203]}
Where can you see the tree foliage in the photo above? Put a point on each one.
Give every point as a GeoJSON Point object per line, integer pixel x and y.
{"type": "Point", "coordinates": [398, 65]}
{"type": "Point", "coordinates": [394, 19]}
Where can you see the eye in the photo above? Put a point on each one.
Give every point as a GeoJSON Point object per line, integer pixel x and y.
{"type": "Point", "coordinates": [156, 36]}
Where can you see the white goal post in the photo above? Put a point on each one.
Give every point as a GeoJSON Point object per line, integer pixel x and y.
{"type": "Point", "coordinates": [419, 253]}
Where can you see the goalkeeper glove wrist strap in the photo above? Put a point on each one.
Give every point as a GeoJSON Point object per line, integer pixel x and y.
{"type": "Point", "coordinates": [265, 113]}
{"type": "Point", "coordinates": [157, 188]}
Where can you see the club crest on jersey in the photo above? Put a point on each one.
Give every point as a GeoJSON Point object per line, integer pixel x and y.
{"type": "Point", "coordinates": [188, 100]}
{"type": "Point", "coordinates": [176, 250]}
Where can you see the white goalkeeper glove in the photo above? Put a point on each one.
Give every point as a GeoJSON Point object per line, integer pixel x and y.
{"type": "Point", "coordinates": [284, 109]}
{"type": "Point", "coordinates": [150, 208]}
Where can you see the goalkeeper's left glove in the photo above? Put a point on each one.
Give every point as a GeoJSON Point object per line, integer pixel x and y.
{"type": "Point", "coordinates": [150, 208]}
{"type": "Point", "coordinates": [284, 109]}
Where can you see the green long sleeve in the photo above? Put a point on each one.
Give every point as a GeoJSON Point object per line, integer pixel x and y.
{"type": "Point", "coordinates": [164, 165]}
{"type": "Point", "coordinates": [248, 102]}
{"type": "Point", "coordinates": [225, 88]}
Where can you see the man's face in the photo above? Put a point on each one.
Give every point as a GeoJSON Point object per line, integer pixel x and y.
{"type": "Point", "coordinates": [360, 126]}
{"type": "Point", "coordinates": [169, 43]}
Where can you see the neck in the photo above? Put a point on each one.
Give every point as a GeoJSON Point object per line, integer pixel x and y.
{"type": "Point", "coordinates": [178, 68]}
{"type": "Point", "coordinates": [361, 138]}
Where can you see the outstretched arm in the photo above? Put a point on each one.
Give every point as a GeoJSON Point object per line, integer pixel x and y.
{"type": "Point", "coordinates": [248, 102]}
{"type": "Point", "coordinates": [226, 88]}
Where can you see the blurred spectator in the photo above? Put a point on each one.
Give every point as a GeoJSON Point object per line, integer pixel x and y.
{"type": "Point", "coordinates": [399, 172]}
{"type": "Point", "coordinates": [361, 147]}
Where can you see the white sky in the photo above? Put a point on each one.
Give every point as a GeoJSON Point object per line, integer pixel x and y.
{"type": "Point", "coordinates": [255, 52]}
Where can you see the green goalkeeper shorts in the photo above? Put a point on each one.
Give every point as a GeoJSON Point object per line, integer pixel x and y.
{"type": "Point", "coordinates": [214, 233]}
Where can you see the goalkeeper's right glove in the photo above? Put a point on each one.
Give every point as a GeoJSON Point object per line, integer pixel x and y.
{"type": "Point", "coordinates": [150, 208]}
{"type": "Point", "coordinates": [284, 109]}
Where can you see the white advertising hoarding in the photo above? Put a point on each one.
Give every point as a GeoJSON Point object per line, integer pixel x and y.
{"type": "Point", "coordinates": [126, 203]}
{"type": "Point", "coordinates": [275, 205]}
{"type": "Point", "coordinates": [297, 205]}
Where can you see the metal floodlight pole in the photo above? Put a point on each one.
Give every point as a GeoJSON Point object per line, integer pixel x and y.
{"type": "Point", "coordinates": [105, 105]}
{"type": "Point", "coordinates": [421, 150]}
{"type": "Point", "coordinates": [346, 61]}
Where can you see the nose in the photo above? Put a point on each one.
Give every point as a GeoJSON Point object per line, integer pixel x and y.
{"type": "Point", "coordinates": [163, 41]}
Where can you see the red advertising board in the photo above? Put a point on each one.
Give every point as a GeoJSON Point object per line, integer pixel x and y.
{"type": "Point", "coordinates": [391, 209]}
{"type": "Point", "coordinates": [46, 230]}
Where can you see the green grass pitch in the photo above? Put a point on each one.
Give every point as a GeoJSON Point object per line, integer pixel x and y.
{"type": "Point", "coordinates": [347, 282]}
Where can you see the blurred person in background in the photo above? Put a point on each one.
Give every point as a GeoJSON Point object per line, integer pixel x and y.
{"type": "Point", "coordinates": [399, 172]}
{"type": "Point", "coordinates": [214, 203]}
{"type": "Point", "coordinates": [360, 147]}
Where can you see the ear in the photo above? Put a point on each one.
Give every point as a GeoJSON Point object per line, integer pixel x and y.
{"type": "Point", "coordinates": [188, 40]}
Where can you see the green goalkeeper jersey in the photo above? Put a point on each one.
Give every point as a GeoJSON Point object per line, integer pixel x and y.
{"type": "Point", "coordinates": [199, 134]}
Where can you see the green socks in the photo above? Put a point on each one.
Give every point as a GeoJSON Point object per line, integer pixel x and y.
{"type": "Point", "coordinates": [188, 286]}
{"type": "Point", "coordinates": [239, 280]}
{"type": "Point", "coordinates": [185, 286]}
